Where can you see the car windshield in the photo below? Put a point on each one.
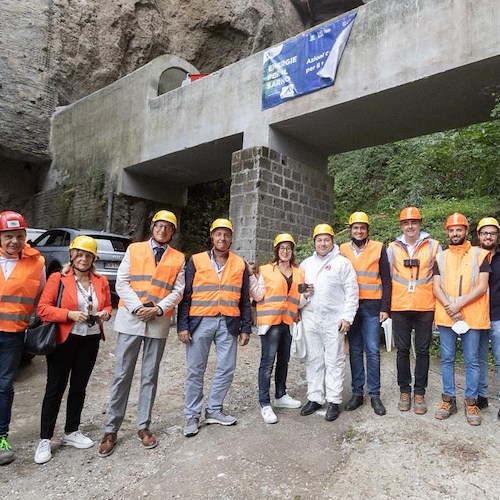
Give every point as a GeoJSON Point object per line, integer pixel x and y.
{"type": "Point", "coordinates": [111, 244]}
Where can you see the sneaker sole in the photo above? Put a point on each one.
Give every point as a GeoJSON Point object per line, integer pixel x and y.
{"type": "Point", "coordinates": [420, 411]}
{"type": "Point", "coordinates": [76, 445]}
{"type": "Point", "coordinates": [191, 433]}
{"type": "Point", "coordinates": [215, 421]}
{"type": "Point", "coordinates": [290, 407]}
{"type": "Point", "coordinates": [40, 462]}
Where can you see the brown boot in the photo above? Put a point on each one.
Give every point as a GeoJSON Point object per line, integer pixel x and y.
{"type": "Point", "coordinates": [404, 401]}
{"type": "Point", "coordinates": [472, 412]}
{"type": "Point", "coordinates": [419, 405]}
{"type": "Point", "coordinates": [447, 407]}
{"type": "Point", "coordinates": [107, 444]}
{"type": "Point", "coordinates": [147, 438]}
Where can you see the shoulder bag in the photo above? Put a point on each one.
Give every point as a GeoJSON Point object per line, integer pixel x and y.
{"type": "Point", "coordinates": [41, 338]}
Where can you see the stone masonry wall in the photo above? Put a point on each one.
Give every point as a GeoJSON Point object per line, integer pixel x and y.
{"type": "Point", "coordinates": [271, 193]}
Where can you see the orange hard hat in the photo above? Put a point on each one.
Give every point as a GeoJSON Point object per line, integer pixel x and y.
{"type": "Point", "coordinates": [456, 219]}
{"type": "Point", "coordinates": [410, 213]}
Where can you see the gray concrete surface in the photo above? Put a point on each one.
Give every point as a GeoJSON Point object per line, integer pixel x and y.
{"type": "Point", "coordinates": [360, 455]}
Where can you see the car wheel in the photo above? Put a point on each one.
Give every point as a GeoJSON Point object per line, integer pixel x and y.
{"type": "Point", "coordinates": [55, 267]}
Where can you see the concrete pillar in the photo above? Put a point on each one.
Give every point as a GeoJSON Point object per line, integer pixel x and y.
{"type": "Point", "coordinates": [271, 193]}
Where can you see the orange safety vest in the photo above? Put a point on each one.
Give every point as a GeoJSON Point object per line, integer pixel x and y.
{"type": "Point", "coordinates": [366, 265]}
{"type": "Point", "coordinates": [459, 275]}
{"type": "Point", "coordinates": [279, 305]}
{"type": "Point", "coordinates": [153, 283]}
{"type": "Point", "coordinates": [18, 293]}
{"type": "Point", "coordinates": [422, 299]}
{"type": "Point", "coordinates": [212, 296]}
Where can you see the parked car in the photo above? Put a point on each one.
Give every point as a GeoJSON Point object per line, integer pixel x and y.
{"type": "Point", "coordinates": [54, 246]}
{"type": "Point", "coordinates": [32, 234]}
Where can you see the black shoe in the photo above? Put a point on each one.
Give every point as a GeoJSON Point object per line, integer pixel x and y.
{"type": "Point", "coordinates": [377, 405]}
{"type": "Point", "coordinates": [354, 403]}
{"type": "Point", "coordinates": [482, 402]}
{"type": "Point", "coordinates": [498, 416]}
{"type": "Point", "coordinates": [332, 412]}
{"type": "Point", "coordinates": [309, 408]}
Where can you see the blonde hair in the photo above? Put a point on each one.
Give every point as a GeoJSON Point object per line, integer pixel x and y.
{"type": "Point", "coordinates": [69, 265]}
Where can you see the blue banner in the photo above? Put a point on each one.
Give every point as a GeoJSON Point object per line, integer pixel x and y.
{"type": "Point", "coordinates": [304, 64]}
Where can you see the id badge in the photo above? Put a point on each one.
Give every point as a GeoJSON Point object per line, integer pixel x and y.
{"type": "Point", "coordinates": [411, 287]}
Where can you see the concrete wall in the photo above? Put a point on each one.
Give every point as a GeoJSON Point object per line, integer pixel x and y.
{"type": "Point", "coordinates": [270, 194]}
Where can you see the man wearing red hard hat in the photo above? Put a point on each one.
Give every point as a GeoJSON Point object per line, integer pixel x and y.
{"type": "Point", "coordinates": [22, 277]}
{"type": "Point", "coordinates": [462, 308]}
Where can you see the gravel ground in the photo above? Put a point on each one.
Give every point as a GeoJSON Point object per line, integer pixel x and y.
{"type": "Point", "coordinates": [400, 455]}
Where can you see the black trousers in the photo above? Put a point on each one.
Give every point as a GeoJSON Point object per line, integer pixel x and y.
{"type": "Point", "coordinates": [404, 322]}
{"type": "Point", "coordinates": [76, 358]}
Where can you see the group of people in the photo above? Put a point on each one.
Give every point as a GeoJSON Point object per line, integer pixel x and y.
{"type": "Point", "coordinates": [340, 295]}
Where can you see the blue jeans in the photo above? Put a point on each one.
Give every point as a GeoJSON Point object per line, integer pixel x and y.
{"type": "Point", "coordinates": [211, 329]}
{"type": "Point", "coordinates": [470, 349]}
{"type": "Point", "coordinates": [275, 344]}
{"type": "Point", "coordinates": [364, 336]}
{"type": "Point", "coordinates": [492, 336]}
{"type": "Point", "coordinates": [11, 351]}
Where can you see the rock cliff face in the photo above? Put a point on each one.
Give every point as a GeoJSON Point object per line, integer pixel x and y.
{"type": "Point", "coordinates": [57, 51]}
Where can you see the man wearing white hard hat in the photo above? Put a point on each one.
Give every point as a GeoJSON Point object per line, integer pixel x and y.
{"type": "Point", "coordinates": [150, 283]}
{"type": "Point", "coordinates": [462, 308]}
{"type": "Point", "coordinates": [329, 306]}
{"type": "Point", "coordinates": [487, 231]}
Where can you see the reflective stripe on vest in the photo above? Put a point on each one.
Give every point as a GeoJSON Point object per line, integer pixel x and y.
{"type": "Point", "coordinates": [279, 305]}
{"type": "Point", "coordinates": [459, 275]}
{"type": "Point", "coordinates": [367, 267]}
{"type": "Point", "coordinates": [212, 296]}
{"type": "Point", "coordinates": [18, 293]}
{"type": "Point", "coordinates": [422, 299]}
{"type": "Point", "coordinates": [153, 283]}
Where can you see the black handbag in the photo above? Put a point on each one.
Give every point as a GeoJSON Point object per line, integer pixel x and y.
{"type": "Point", "coordinates": [41, 338]}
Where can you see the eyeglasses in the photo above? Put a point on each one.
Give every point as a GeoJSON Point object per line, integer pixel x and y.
{"type": "Point", "coordinates": [488, 233]}
{"type": "Point", "coordinates": [163, 227]}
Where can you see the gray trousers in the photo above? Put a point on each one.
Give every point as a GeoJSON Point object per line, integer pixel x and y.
{"type": "Point", "coordinates": [211, 329]}
{"type": "Point", "coordinates": [126, 354]}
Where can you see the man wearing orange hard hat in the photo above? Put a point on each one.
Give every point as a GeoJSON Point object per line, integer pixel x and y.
{"type": "Point", "coordinates": [412, 256]}
{"type": "Point", "coordinates": [462, 308]}
{"type": "Point", "coordinates": [487, 231]}
{"type": "Point", "coordinates": [22, 277]}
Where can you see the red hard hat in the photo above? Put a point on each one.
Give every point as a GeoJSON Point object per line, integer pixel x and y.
{"type": "Point", "coordinates": [456, 219]}
{"type": "Point", "coordinates": [10, 221]}
{"type": "Point", "coordinates": [410, 213]}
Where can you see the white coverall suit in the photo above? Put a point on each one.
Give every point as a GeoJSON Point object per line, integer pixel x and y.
{"type": "Point", "coordinates": [335, 298]}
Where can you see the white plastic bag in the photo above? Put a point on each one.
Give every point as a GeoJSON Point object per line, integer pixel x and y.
{"type": "Point", "coordinates": [298, 347]}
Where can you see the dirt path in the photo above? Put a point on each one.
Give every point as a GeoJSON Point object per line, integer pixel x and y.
{"type": "Point", "coordinates": [359, 455]}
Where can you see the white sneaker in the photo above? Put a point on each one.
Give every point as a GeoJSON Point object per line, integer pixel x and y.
{"type": "Point", "coordinates": [77, 439]}
{"type": "Point", "coordinates": [43, 453]}
{"type": "Point", "coordinates": [287, 401]}
{"type": "Point", "coordinates": [268, 415]}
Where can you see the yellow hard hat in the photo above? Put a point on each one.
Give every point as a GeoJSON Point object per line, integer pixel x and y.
{"type": "Point", "coordinates": [84, 242]}
{"type": "Point", "coordinates": [487, 221]}
{"type": "Point", "coordinates": [221, 223]}
{"type": "Point", "coordinates": [165, 215]}
{"type": "Point", "coordinates": [283, 237]}
{"type": "Point", "coordinates": [323, 229]}
{"type": "Point", "coordinates": [358, 217]}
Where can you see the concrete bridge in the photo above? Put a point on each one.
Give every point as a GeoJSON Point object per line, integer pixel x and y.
{"type": "Point", "coordinates": [411, 67]}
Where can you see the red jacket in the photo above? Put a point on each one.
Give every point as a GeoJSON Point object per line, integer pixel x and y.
{"type": "Point", "coordinates": [69, 302]}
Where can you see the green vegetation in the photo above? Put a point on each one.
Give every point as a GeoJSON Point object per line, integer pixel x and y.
{"type": "Point", "coordinates": [457, 170]}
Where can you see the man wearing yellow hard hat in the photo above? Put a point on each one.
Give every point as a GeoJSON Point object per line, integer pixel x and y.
{"type": "Point", "coordinates": [215, 309]}
{"type": "Point", "coordinates": [150, 284]}
{"type": "Point", "coordinates": [487, 231]}
{"type": "Point", "coordinates": [412, 256]}
{"type": "Point", "coordinates": [369, 259]}
{"type": "Point", "coordinates": [462, 309]}
{"type": "Point", "coordinates": [328, 309]}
